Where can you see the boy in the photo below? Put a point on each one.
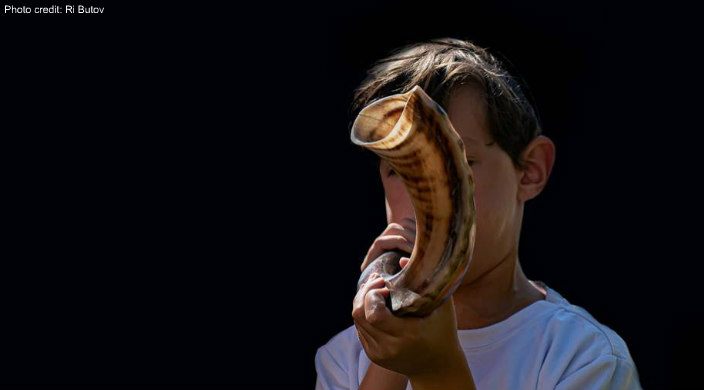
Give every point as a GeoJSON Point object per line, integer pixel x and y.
{"type": "Point", "coordinates": [500, 330]}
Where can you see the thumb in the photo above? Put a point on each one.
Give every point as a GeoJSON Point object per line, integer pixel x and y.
{"type": "Point", "coordinates": [404, 262]}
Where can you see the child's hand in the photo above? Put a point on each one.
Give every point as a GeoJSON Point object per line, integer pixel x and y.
{"type": "Point", "coordinates": [426, 350]}
{"type": "Point", "coordinates": [396, 236]}
{"type": "Point", "coordinates": [415, 347]}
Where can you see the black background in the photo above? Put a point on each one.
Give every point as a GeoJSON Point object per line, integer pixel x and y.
{"type": "Point", "coordinates": [184, 206]}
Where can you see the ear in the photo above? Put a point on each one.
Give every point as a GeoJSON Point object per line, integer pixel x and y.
{"type": "Point", "coordinates": [538, 159]}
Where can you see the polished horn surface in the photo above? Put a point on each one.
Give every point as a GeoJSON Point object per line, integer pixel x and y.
{"type": "Point", "coordinates": [413, 134]}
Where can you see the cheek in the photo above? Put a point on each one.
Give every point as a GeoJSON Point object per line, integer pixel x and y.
{"type": "Point", "coordinates": [398, 202]}
{"type": "Point", "coordinates": [394, 191]}
{"type": "Point", "coordinates": [495, 211]}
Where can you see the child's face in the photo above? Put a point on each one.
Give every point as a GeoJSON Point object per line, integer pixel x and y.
{"type": "Point", "coordinates": [496, 181]}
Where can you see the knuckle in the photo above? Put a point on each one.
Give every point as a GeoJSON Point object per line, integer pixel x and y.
{"type": "Point", "coordinates": [374, 311]}
{"type": "Point", "coordinates": [370, 298]}
{"type": "Point", "coordinates": [357, 304]}
{"type": "Point", "coordinates": [374, 317]}
{"type": "Point", "coordinates": [381, 245]}
{"type": "Point", "coordinates": [396, 240]}
{"type": "Point", "coordinates": [394, 225]}
{"type": "Point", "coordinates": [357, 314]}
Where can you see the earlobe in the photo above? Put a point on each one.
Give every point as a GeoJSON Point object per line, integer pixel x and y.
{"type": "Point", "coordinates": [538, 159]}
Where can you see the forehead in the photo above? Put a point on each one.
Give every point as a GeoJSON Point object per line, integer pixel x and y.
{"type": "Point", "coordinates": [467, 111]}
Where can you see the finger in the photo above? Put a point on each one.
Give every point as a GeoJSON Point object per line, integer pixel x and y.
{"type": "Point", "coordinates": [363, 337]}
{"type": "Point", "coordinates": [367, 339]}
{"type": "Point", "coordinates": [375, 310]}
{"type": "Point", "coordinates": [375, 317]}
{"type": "Point", "coordinates": [404, 262]}
{"type": "Point", "coordinates": [378, 319]}
{"type": "Point", "coordinates": [406, 229]}
{"type": "Point", "coordinates": [392, 226]}
{"type": "Point", "coordinates": [409, 224]}
{"type": "Point", "coordinates": [358, 303]}
{"type": "Point", "coordinates": [374, 281]}
{"type": "Point", "coordinates": [384, 244]}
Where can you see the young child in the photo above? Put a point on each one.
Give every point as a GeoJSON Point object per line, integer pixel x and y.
{"type": "Point", "coordinates": [500, 330]}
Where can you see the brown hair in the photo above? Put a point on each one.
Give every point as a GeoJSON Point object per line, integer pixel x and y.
{"type": "Point", "coordinates": [438, 66]}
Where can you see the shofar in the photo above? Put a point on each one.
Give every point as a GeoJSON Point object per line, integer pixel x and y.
{"type": "Point", "coordinates": [413, 134]}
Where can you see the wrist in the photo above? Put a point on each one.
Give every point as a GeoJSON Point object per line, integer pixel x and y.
{"type": "Point", "coordinates": [450, 372]}
{"type": "Point", "coordinates": [378, 377]}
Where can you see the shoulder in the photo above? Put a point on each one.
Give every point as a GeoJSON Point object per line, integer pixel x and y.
{"type": "Point", "coordinates": [344, 341]}
{"type": "Point", "coordinates": [581, 350]}
{"type": "Point", "coordinates": [338, 361]}
{"type": "Point", "coordinates": [577, 326]}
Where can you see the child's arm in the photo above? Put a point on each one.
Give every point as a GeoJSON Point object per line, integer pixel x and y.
{"type": "Point", "coordinates": [378, 377]}
{"type": "Point", "coordinates": [435, 359]}
{"type": "Point", "coordinates": [426, 349]}
{"type": "Point", "coordinates": [454, 375]}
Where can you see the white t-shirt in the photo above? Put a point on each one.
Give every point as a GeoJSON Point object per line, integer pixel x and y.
{"type": "Point", "coordinates": [550, 344]}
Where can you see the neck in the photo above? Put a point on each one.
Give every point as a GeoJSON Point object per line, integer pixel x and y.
{"type": "Point", "coordinates": [495, 294]}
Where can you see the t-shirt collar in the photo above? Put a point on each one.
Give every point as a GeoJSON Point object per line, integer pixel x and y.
{"type": "Point", "coordinates": [481, 337]}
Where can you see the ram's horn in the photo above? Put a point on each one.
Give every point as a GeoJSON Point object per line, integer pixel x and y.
{"type": "Point", "coordinates": [414, 135]}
